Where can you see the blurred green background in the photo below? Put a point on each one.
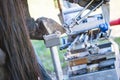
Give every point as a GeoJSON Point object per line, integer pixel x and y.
{"type": "Point", "coordinates": [45, 55]}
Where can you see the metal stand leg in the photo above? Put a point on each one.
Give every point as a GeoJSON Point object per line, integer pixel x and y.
{"type": "Point", "coordinates": [56, 63]}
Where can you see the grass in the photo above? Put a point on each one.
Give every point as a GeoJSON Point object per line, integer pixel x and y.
{"type": "Point", "coordinates": [45, 55]}
{"type": "Point", "coordinates": [117, 40]}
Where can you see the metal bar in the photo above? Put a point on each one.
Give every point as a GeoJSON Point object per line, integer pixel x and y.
{"type": "Point", "coordinates": [56, 63]}
{"type": "Point", "coordinates": [85, 8]}
{"type": "Point", "coordinates": [90, 12]}
{"type": "Point", "coordinates": [71, 46]}
{"type": "Point", "coordinates": [85, 16]}
{"type": "Point", "coordinates": [106, 12]}
{"type": "Point", "coordinates": [60, 9]}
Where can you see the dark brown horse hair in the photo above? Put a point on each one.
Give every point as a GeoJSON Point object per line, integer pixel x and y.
{"type": "Point", "coordinates": [15, 42]}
